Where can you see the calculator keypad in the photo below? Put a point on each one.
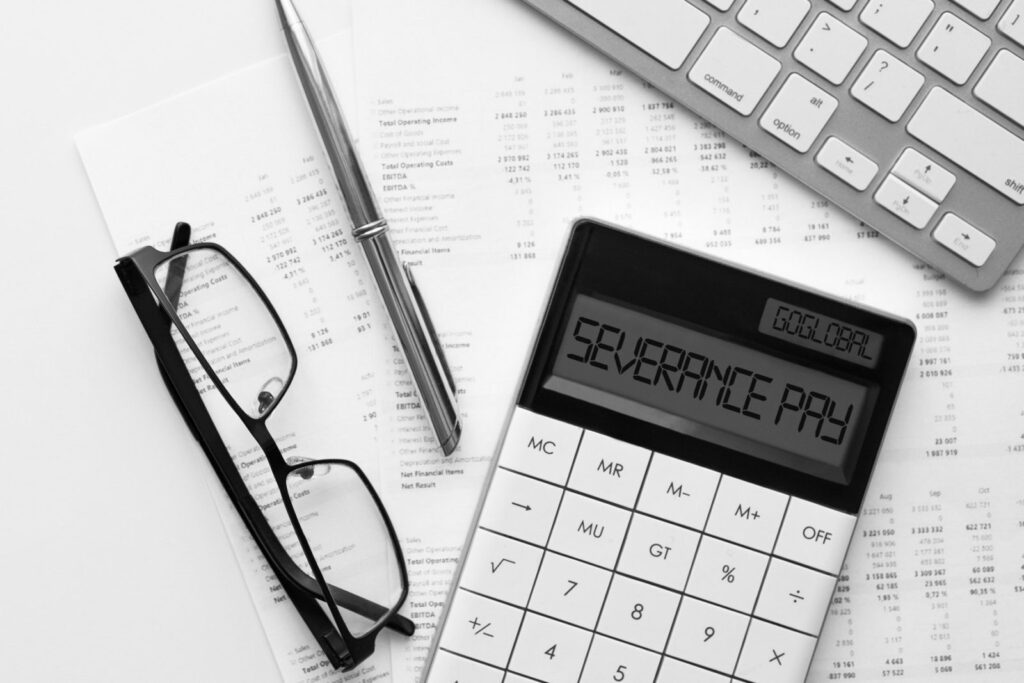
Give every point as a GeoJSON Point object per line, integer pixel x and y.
{"type": "Point", "coordinates": [598, 560]}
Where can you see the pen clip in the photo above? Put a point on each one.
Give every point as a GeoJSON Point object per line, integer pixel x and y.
{"type": "Point", "coordinates": [429, 325]}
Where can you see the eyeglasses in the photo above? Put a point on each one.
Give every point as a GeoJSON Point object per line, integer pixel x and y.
{"type": "Point", "coordinates": [214, 329]}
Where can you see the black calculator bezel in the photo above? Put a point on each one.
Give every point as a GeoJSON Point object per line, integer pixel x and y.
{"type": "Point", "coordinates": [615, 264]}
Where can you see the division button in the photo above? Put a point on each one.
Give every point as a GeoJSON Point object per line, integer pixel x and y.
{"type": "Point", "coordinates": [905, 202]}
{"type": "Point", "coordinates": [609, 469]}
{"type": "Point", "coordinates": [964, 240]}
{"type": "Point", "coordinates": [795, 596]}
{"type": "Point", "coordinates": [847, 164]}
{"type": "Point", "coordinates": [924, 174]}
{"type": "Point", "coordinates": [815, 535]}
{"type": "Point", "coordinates": [799, 113]}
{"type": "Point", "coordinates": [539, 446]}
{"type": "Point", "coordinates": [733, 71]}
{"type": "Point", "coordinates": [747, 514]}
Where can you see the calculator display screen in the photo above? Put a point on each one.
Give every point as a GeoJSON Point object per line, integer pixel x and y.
{"type": "Point", "coordinates": [820, 332]}
{"type": "Point", "coordinates": [692, 377]}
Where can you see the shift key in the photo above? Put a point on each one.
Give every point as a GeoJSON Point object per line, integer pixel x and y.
{"type": "Point", "coordinates": [972, 140]}
{"type": "Point", "coordinates": [734, 71]}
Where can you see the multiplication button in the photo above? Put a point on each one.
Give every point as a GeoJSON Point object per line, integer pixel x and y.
{"type": "Point", "coordinates": [814, 535]}
{"type": "Point", "coordinates": [747, 514]}
{"type": "Point", "coordinates": [589, 530]}
{"type": "Point", "coordinates": [659, 552]}
{"type": "Point", "coordinates": [708, 635]}
{"type": "Point", "coordinates": [480, 628]}
{"type": "Point", "coordinates": [501, 568]}
{"type": "Point", "coordinates": [772, 654]}
{"type": "Point", "coordinates": [520, 507]}
{"type": "Point", "coordinates": [678, 491]}
{"type": "Point", "coordinates": [550, 650]}
{"type": "Point", "coordinates": [540, 446]}
{"type": "Point", "coordinates": [795, 596]}
{"type": "Point", "coordinates": [609, 469]}
{"type": "Point", "coordinates": [727, 574]}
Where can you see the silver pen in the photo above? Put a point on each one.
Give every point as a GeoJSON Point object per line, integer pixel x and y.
{"type": "Point", "coordinates": [394, 280]}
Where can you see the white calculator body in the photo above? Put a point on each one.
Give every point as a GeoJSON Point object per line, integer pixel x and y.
{"type": "Point", "coordinates": [679, 480]}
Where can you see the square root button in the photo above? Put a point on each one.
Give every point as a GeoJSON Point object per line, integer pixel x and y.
{"type": "Point", "coordinates": [814, 535]}
{"type": "Point", "coordinates": [747, 514]}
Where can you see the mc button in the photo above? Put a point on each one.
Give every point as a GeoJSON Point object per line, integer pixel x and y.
{"type": "Point", "coordinates": [815, 536]}
{"type": "Point", "coordinates": [540, 446]}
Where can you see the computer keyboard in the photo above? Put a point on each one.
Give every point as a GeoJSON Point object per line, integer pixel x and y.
{"type": "Point", "coordinates": [908, 114]}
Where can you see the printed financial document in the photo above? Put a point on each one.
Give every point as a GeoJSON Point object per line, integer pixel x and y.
{"type": "Point", "coordinates": [486, 131]}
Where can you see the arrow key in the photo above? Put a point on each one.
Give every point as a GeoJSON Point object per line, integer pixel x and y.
{"type": "Point", "coordinates": [924, 174]}
{"type": "Point", "coordinates": [905, 202]}
{"type": "Point", "coordinates": [964, 240]}
{"type": "Point", "coordinates": [521, 507]}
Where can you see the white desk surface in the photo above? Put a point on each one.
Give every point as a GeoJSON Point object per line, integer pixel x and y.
{"type": "Point", "coordinates": [114, 565]}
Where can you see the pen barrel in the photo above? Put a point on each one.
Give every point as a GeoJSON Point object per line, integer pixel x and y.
{"type": "Point", "coordinates": [412, 328]}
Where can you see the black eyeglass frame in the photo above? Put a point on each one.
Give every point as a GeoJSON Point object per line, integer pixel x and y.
{"type": "Point", "coordinates": [157, 313]}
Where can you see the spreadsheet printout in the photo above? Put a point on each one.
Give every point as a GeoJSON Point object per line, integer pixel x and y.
{"type": "Point", "coordinates": [482, 153]}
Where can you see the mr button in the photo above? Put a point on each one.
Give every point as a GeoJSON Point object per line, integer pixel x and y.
{"type": "Point", "coordinates": [539, 446]}
{"type": "Point", "coordinates": [609, 469]}
{"type": "Point", "coordinates": [815, 536]}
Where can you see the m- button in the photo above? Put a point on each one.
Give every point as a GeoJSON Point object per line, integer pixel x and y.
{"type": "Point", "coordinates": [540, 447]}
{"type": "Point", "coordinates": [747, 514]}
{"type": "Point", "coordinates": [815, 536]}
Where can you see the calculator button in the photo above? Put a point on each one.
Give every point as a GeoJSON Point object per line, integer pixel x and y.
{"type": "Point", "coordinates": [570, 590]}
{"type": "Point", "coordinates": [727, 574]}
{"type": "Point", "coordinates": [550, 650]}
{"type": "Point", "coordinates": [481, 628]}
{"type": "Point", "coordinates": [924, 174]}
{"type": "Point", "coordinates": [772, 654]}
{"type": "Point", "coordinates": [501, 568]}
{"type": "Point", "coordinates": [539, 446]}
{"type": "Point", "coordinates": [638, 613]}
{"type": "Point", "coordinates": [708, 635]}
{"type": "Point", "coordinates": [795, 596]}
{"type": "Point", "coordinates": [674, 671]}
{"type": "Point", "coordinates": [747, 514]}
{"type": "Point", "coordinates": [609, 469]}
{"type": "Point", "coordinates": [678, 491]}
{"type": "Point", "coordinates": [658, 552]}
{"type": "Point", "coordinates": [520, 507]}
{"type": "Point", "coordinates": [814, 535]}
{"type": "Point", "coordinates": [612, 660]}
{"type": "Point", "coordinates": [589, 530]}
{"type": "Point", "coordinates": [451, 668]}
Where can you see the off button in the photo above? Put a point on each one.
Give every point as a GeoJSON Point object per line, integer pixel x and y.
{"type": "Point", "coordinates": [815, 536]}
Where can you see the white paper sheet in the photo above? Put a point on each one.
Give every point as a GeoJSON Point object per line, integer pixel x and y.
{"type": "Point", "coordinates": [487, 131]}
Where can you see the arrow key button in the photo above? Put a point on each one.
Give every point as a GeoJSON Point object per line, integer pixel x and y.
{"type": "Point", "coordinates": [924, 174]}
{"type": "Point", "coordinates": [964, 240]}
{"type": "Point", "coordinates": [905, 202]}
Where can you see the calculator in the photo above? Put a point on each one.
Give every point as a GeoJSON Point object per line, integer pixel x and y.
{"type": "Point", "coordinates": [679, 479]}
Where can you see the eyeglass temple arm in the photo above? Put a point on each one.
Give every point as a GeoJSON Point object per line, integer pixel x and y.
{"type": "Point", "coordinates": [257, 525]}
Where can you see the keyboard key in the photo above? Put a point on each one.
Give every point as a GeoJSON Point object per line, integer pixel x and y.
{"type": "Point", "coordinates": [480, 628]}
{"type": "Point", "coordinates": [847, 164]}
{"type": "Point", "coordinates": [678, 491]}
{"type": "Point", "coordinates": [815, 535]}
{"type": "Point", "coordinates": [520, 507]}
{"type": "Point", "coordinates": [450, 668]}
{"type": "Point", "coordinates": [732, 70]}
{"type": "Point", "coordinates": [722, 5]}
{"type": "Point", "coordinates": [658, 552]}
{"type": "Point", "coordinates": [774, 20]}
{"type": "Point", "coordinates": [1000, 86]}
{"type": "Point", "coordinates": [570, 590]}
{"type": "Point", "coordinates": [638, 613]}
{"type": "Point", "coordinates": [887, 86]}
{"type": "Point", "coordinates": [501, 568]}
{"type": "Point", "coordinates": [665, 29]}
{"type": "Point", "coordinates": [707, 635]}
{"type": "Point", "coordinates": [539, 446]}
{"type": "Point", "coordinates": [746, 513]}
{"type": "Point", "coordinates": [899, 21]}
{"type": "Point", "coordinates": [964, 240]}
{"type": "Point", "coordinates": [845, 5]}
{"type": "Point", "coordinates": [972, 140]}
{"type": "Point", "coordinates": [799, 113]}
{"type": "Point", "coordinates": [589, 530]}
{"type": "Point", "coordinates": [726, 574]}
{"type": "Point", "coordinates": [954, 48]}
{"type": "Point", "coordinates": [611, 660]}
{"type": "Point", "coordinates": [609, 469]}
{"type": "Point", "coordinates": [1012, 23]}
{"type": "Point", "coordinates": [674, 671]}
{"type": "Point", "coordinates": [830, 48]}
{"type": "Point", "coordinates": [772, 654]}
{"type": "Point", "coordinates": [924, 174]}
{"type": "Point", "coordinates": [795, 596]}
{"type": "Point", "coordinates": [982, 9]}
{"type": "Point", "coordinates": [905, 202]}
{"type": "Point", "coordinates": [550, 650]}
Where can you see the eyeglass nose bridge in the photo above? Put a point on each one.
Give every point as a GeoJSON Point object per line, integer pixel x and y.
{"type": "Point", "coordinates": [265, 397]}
